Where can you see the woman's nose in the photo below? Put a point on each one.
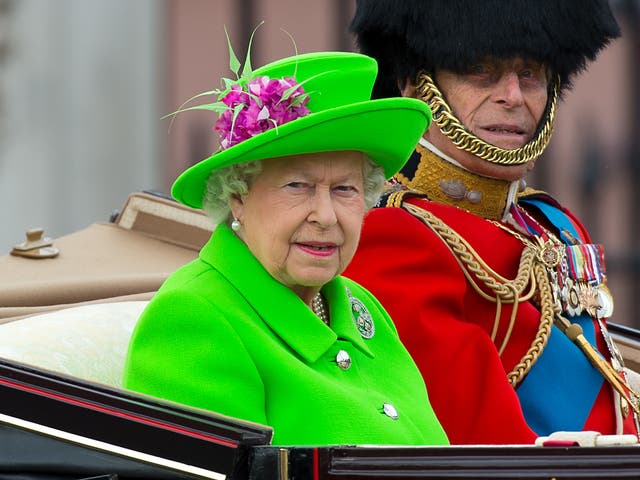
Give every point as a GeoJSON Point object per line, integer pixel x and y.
{"type": "Point", "coordinates": [508, 90]}
{"type": "Point", "coordinates": [322, 209]}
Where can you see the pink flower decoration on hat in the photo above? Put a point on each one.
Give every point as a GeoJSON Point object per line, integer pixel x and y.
{"type": "Point", "coordinates": [262, 104]}
{"type": "Point", "coordinates": [251, 105]}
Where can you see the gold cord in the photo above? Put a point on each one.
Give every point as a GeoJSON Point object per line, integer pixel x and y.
{"type": "Point", "coordinates": [544, 330]}
{"type": "Point", "coordinates": [507, 335]}
{"type": "Point", "coordinates": [531, 272]}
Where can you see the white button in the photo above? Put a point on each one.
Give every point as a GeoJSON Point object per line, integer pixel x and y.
{"type": "Point", "coordinates": [390, 411]}
{"type": "Point", "coordinates": [343, 360]}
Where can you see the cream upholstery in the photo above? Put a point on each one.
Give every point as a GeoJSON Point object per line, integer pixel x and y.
{"type": "Point", "coordinates": [88, 341]}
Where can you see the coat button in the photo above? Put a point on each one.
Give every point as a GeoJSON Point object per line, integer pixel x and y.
{"type": "Point", "coordinates": [343, 360]}
{"type": "Point", "coordinates": [390, 411]}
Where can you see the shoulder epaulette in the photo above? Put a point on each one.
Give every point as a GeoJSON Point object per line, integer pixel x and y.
{"type": "Point", "coordinates": [394, 196]}
{"type": "Point", "coordinates": [534, 194]}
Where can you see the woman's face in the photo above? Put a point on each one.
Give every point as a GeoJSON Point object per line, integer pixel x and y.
{"type": "Point", "coordinates": [302, 217]}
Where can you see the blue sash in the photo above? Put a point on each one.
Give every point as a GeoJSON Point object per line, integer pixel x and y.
{"type": "Point", "coordinates": [561, 388]}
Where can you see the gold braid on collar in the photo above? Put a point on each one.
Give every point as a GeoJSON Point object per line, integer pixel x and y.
{"type": "Point", "coordinates": [455, 131]}
{"type": "Point", "coordinates": [444, 182]}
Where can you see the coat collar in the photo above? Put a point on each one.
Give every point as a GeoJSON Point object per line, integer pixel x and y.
{"type": "Point", "coordinates": [277, 305]}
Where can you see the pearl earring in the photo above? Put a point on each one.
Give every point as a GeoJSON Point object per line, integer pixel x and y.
{"type": "Point", "coordinates": [235, 225]}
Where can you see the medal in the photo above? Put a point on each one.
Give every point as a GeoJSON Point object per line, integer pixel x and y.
{"type": "Point", "coordinates": [581, 280]}
{"type": "Point", "coordinates": [605, 302]}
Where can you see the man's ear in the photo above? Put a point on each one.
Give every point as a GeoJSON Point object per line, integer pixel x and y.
{"type": "Point", "coordinates": [408, 90]}
{"type": "Point", "coordinates": [531, 164]}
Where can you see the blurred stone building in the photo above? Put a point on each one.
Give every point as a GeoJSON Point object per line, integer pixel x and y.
{"type": "Point", "coordinates": [83, 84]}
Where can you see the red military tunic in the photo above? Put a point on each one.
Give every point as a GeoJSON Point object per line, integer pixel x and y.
{"type": "Point", "coordinates": [446, 324]}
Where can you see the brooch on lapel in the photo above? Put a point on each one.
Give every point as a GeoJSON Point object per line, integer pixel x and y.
{"type": "Point", "coordinates": [361, 317]}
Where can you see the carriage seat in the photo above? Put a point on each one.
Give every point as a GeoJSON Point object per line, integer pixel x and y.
{"type": "Point", "coordinates": [88, 341]}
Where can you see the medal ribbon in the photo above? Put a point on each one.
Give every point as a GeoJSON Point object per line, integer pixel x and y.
{"type": "Point", "coordinates": [532, 228]}
{"type": "Point", "coordinates": [586, 263]}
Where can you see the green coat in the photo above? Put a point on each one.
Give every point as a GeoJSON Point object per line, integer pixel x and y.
{"type": "Point", "coordinates": [223, 335]}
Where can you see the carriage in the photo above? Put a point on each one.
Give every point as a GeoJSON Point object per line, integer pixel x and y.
{"type": "Point", "coordinates": [67, 308]}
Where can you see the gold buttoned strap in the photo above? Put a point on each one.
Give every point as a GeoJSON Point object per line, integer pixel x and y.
{"type": "Point", "coordinates": [574, 332]}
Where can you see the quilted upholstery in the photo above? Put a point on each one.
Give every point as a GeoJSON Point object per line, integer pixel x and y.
{"type": "Point", "coordinates": [88, 341]}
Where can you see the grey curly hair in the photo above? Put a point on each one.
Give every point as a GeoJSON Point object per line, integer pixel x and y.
{"type": "Point", "coordinates": [235, 180]}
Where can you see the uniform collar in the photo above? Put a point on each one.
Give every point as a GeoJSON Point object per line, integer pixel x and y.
{"type": "Point", "coordinates": [278, 306]}
{"type": "Point", "coordinates": [444, 180]}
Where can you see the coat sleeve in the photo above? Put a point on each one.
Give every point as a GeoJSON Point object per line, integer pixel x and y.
{"type": "Point", "coordinates": [419, 282]}
{"type": "Point", "coordinates": [183, 349]}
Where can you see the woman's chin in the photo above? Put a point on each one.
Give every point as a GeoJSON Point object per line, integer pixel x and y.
{"type": "Point", "coordinates": [314, 279]}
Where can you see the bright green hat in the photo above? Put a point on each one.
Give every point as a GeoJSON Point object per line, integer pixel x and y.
{"type": "Point", "coordinates": [341, 117]}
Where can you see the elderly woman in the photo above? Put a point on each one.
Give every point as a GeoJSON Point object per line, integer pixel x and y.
{"type": "Point", "coordinates": [262, 326]}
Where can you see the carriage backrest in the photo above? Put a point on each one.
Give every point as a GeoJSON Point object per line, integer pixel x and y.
{"type": "Point", "coordinates": [89, 342]}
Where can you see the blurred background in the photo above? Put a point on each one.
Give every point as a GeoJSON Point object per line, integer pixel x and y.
{"type": "Point", "coordinates": [83, 84]}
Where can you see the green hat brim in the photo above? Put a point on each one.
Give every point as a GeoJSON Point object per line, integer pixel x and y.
{"type": "Point", "coordinates": [385, 130]}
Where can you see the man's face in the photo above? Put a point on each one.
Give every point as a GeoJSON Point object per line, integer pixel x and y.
{"type": "Point", "coordinates": [499, 101]}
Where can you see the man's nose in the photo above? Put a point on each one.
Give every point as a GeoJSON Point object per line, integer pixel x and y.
{"type": "Point", "coordinates": [508, 90]}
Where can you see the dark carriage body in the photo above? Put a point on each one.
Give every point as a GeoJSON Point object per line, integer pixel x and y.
{"type": "Point", "coordinates": [56, 423]}
{"type": "Point", "coordinates": [57, 428]}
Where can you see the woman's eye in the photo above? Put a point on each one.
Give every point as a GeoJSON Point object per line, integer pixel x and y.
{"type": "Point", "coordinates": [296, 185]}
{"type": "Point", "coordinates": [478, 69]}
{"type": "Point", "coordinates": [345, 189]}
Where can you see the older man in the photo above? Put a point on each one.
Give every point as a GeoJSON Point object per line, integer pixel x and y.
{"type": "Point", "coordinates": [496, 289]}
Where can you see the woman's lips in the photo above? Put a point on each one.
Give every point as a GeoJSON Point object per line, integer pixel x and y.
{"type": "Point", "coordinates": [319, 249]}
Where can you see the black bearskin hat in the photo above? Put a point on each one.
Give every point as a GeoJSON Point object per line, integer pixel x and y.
{"type": "Point", "coordinates": [406, 36]}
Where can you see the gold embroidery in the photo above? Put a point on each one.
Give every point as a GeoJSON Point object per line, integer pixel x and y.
{"type": "Point", "coordinates": [449, 184]}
